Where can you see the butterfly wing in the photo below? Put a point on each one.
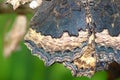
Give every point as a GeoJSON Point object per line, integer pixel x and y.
{"type": "Point", "coordinates": [48, 39]}
{"type": "Point", "coordinates": [54, 33]}
{"type": "Point", "coordinates": [56, 16]}
{"type": "Point", "coordinates": [106, 15]}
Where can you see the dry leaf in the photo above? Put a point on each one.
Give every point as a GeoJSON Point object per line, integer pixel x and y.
{"type": "Point", "coordinates": [16, 34]}
{"type": "Point", "coordinates": [17, 3]}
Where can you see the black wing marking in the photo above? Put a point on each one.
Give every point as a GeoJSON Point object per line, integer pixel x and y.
{"type": "Point", "coordinates": [59, 16]}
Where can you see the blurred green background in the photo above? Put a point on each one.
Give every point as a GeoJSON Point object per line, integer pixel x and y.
{"type": "Point", "coordinates": [22, 65]}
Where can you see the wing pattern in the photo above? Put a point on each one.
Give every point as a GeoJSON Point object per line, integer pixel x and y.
{"type": "Point", "coordinates": [65, 31]}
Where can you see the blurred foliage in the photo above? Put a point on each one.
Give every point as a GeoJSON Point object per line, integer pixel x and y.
{"type": "Point", "coordinates": [21, 65]}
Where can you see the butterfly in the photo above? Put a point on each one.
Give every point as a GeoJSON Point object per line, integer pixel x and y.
{"type": "Point", "coordinates": [80, 34]}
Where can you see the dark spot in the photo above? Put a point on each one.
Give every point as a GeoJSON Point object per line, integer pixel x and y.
{"type": "Point", "coordinates": [81, 68]}
{"type": "Point", "coordinates": [48, 0]}
{"type": "Point", "coordinates": [92, 55]}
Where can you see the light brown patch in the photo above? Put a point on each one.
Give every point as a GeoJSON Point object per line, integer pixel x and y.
{"type": "Point", "coordinates": [104, 39]}
{"type": "Point", "coordinates": [48, 43]}
{"type": "Point", "coordinates": [87, 61]}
